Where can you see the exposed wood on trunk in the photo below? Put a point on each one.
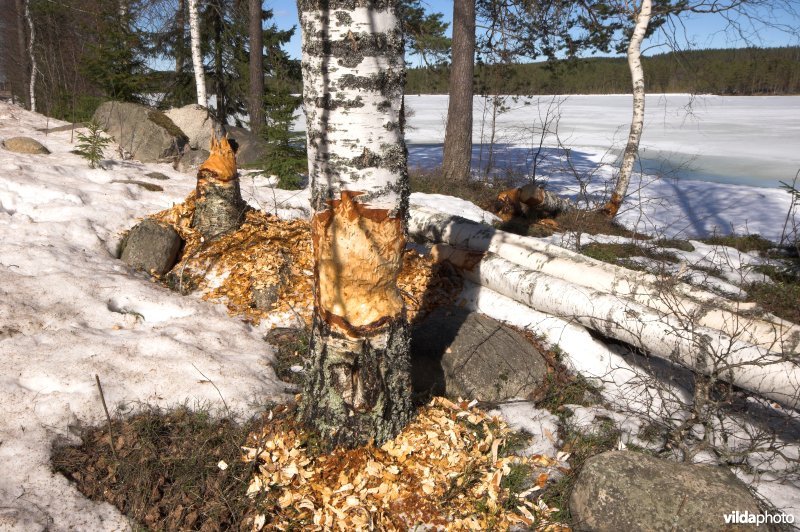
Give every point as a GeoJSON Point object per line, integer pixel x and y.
{"type": "Point", "coordinates": [358, 384]}
{"type": "Point", "coordinates": [197, 57]}
{"type": "Point", "coordinates": [358, 254]}
{"type": "Point", "coordinates": [530, 199]}
{"type": "Point", "coordinates": [256, 99]}
{"type": "Point", "coordinates": [637, 122]}
{"type": "Point", "coordinates": [671, 298]}
{"type": "Point", "coordinates": [457, 155]}
{"type": "Point", "coordinates": [219, 207]}
{"type": "Point", "coordinates": [700, 349]}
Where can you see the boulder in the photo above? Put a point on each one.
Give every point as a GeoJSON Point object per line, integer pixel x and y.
{"type": "Point", "coordinates": [152, 247]}
{"type": "Point", "coordinates": [25, 145]}
{"type": "Point", "coordinates": [148, 135]}
{"type": "Point", "coordinates": [190, 161]}
{"type": "Point", "coordinates": [195, 121]}
{"type": "Point", "coordinates": [249, 148]}
{"type": "Point", "coordinates": [157, 175]}
{"type": "Point", "coordinates": [198, 126]}
{"type": "Point", "coordinates": [465, 354]}
{"type": "Point", "coordinates": [620, 490]}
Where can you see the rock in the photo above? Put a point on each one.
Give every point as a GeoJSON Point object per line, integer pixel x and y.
{"type": "Point", "coordinates": [190, 161]}
{"type": "Point", "coordinates": [620, 490]}
{"type": "Point", "coordinates": [152, 187]}
{"type": "Point", "coordinates": [148, 135]}
{"type": "Point", "coordinates": [152, 247]}
{"type": "Point", "coordinates": [198, 126]}
{"type": "Point", "coordinates": [249, 148]}
{"type": "Point", "coordinates": [25, 145]}
{"type": "Point", "coordinates": [462, 353]}
{"type": "Point", "coordinates": [157, 175]}
{"type": "Point", "coordinates": [196, 123]}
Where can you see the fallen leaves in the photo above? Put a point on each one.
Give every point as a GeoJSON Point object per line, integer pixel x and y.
{"type": "Point", "coordinates": [445, 471]}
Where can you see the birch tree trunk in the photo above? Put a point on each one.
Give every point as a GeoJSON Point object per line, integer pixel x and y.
{"type": "Point", "coordinates": [256, 100]}
{"type": "Point", "coordinates": [637, 78]}
{"type": "Point", "coordinates": [358, 386]}
{"type": "Point", "coordinates": [197, 58]}
{"type": "Point", "coordinates": [31, 57]}
{"type": "Point", "coordinates": [457, 155]}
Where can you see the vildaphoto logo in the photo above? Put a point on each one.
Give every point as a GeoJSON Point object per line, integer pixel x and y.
{"type": "Point", "coordinates": [748, 518]}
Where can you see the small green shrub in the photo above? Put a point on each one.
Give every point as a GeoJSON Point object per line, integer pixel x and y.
{"type": "Point", "coordinates": [91, 145]}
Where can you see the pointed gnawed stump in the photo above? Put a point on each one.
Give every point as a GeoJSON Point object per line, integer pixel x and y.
{"type": "Point", "coordinates": [219, 208]}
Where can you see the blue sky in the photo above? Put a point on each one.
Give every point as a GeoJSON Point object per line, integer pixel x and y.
{"type": "Point", "coordinates": [696, 31]}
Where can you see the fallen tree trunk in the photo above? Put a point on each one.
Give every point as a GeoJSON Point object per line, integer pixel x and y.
{"type": "Point", "coordinates": [670, 298]}
{"type": "Point", "coordinates": [701, 349]}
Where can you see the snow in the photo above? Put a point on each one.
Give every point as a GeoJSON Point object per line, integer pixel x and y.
{"type": "Point", "coordinates": [688, 142]}
{"type": "Point", "coordinates": [69, 310]}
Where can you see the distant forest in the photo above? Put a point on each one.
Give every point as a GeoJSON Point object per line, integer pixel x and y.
{"type": "Point", "coordinates": [743, 71]}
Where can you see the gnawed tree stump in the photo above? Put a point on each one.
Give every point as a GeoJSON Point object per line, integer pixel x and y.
{"type": "Point", "coordinates": [219, 207]}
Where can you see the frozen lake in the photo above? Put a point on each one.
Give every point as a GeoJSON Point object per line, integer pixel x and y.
{"type": "Point", "coordinates": [746, 140]}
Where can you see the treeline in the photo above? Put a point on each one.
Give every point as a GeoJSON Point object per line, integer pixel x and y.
{"type": "Point", "coordinates": [742, 71]}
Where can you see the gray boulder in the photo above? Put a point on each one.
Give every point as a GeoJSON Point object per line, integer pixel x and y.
{"type": "Point", "coordinates": [25, 145]}
{"type": "Point", "coordinates": [461, 353]}
{"type": "Point", "coordinates": [250, 148]}
{"type": "Point", "coordinates": [196, 123]}
{"type": "Point", "coordinates": [152, 247]}
{"type": "Point", "coordinates": [148, 135]}
{"type": "Point", "coordinates": [190, 161]}
{"type": "Point", "coordinates": [198, 126]}
{"type": "Point", "coordinates": [620, 490]}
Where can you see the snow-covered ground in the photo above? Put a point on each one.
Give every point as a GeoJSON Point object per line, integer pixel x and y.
{"type": "Point", "coordinates": [69, 310]}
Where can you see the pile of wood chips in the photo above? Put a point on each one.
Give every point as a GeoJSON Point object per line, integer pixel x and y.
{"type": "Point", "coordinates": [267, 252]}
{"type": "Point", "coordinates": [444, 471]}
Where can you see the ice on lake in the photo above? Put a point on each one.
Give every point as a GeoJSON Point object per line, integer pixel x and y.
{"type": "Point", "coordinates": [742, 140]}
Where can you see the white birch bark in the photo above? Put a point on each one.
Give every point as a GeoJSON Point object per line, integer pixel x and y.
{"type": "Point", "coordinates": [700, 349]}
{"type": "Point", "coordinates": [358, 382]}
{"type": "Point", "coordinates": [197, 58]}
{"type": "Point", "coordinates": [678, 299]}
{"type": "Point", "coordinates": [31, 55]}
{"type": "Point", "coordinates": [637, 122]}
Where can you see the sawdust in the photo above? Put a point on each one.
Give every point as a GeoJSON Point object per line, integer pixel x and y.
{"type": "Point", "coordinates": [268, 252]}
{"type": "Point", "coordinates": [445, 470]}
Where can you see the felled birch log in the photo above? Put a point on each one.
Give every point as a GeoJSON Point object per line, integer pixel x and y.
{"type": "Point", "coordinates": [701, 349]}
{"type": "Point", "coordinates": [676, 299]}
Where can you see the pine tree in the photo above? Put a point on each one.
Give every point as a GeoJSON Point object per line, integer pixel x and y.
{"type": "Point", "coordinates": [90, 146]}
